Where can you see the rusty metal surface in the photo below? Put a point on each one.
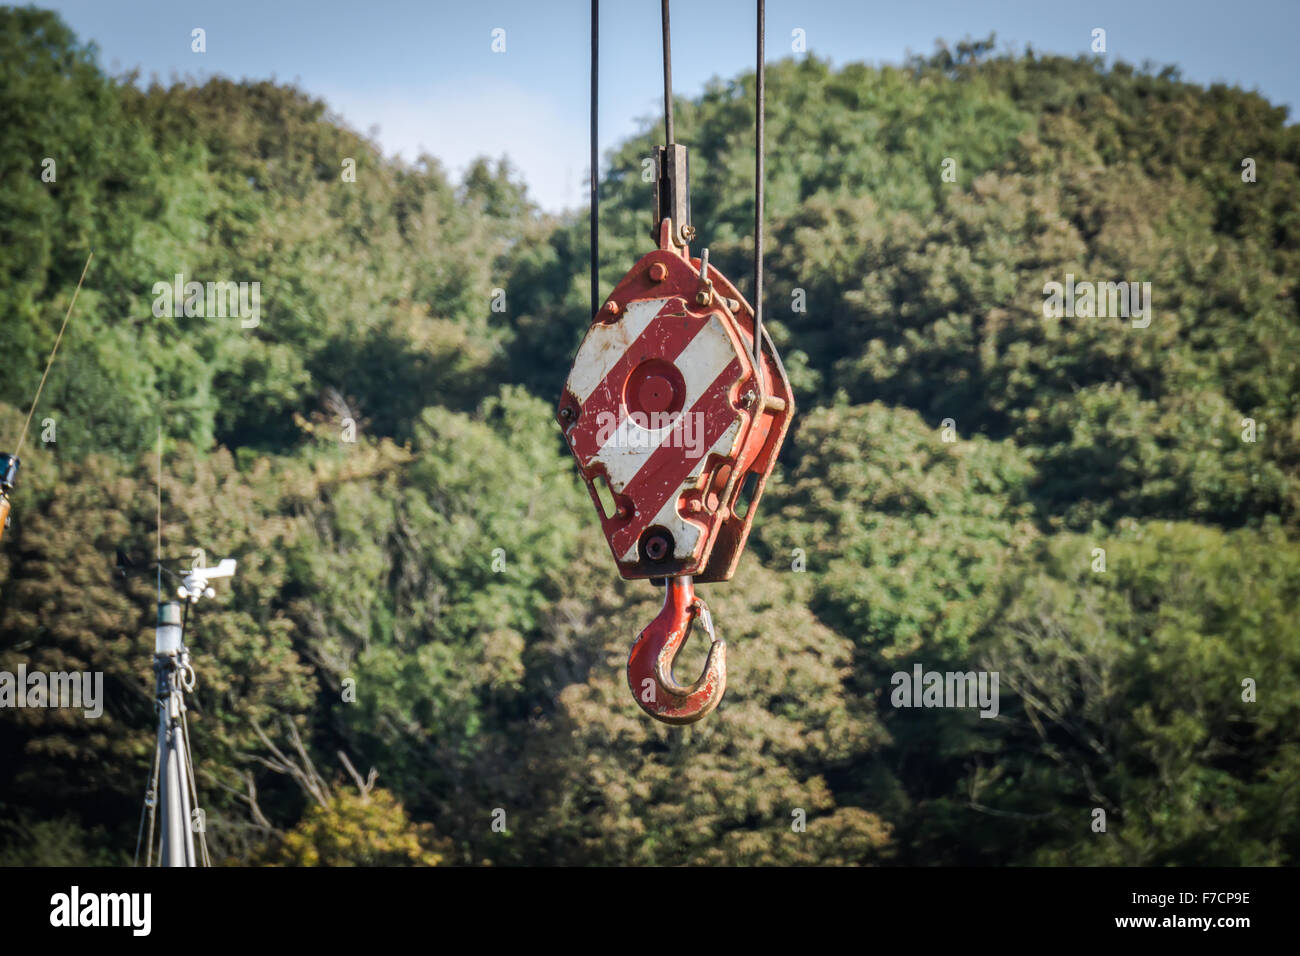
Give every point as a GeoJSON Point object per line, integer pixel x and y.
{"type": "Point", "coordinates": [650, 665]}
{"type": "Point", "coordinates": [676, 401]}
{"type": "Point", "coordinates": [663, 405]}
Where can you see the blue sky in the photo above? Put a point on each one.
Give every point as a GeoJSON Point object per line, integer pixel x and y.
{"type": "Point", "coordinates": [425, 75]}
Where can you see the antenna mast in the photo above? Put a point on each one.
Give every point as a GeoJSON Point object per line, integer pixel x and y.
{"type": "Point", "coordinates": [172, 786]}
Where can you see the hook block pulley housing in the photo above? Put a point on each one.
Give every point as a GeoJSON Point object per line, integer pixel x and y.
{"type": "Point", "coordinates": [665, 408]}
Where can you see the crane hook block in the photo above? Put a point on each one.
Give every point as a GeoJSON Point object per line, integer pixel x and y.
{"type": "Point", "coordinates": [674, 427]}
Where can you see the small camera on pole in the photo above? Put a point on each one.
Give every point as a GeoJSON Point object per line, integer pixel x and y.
{"type": "Point", "coordinates": [195, 584]}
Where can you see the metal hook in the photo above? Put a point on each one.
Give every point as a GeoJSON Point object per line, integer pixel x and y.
{"type": "Point", "coordinates": [650, 665]}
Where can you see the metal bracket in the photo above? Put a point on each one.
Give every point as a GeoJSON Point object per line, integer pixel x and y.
{"type": "Point", "coordinates": [673, 193]}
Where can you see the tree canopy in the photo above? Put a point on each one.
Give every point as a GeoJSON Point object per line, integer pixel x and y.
{"type": "Point", "coordinates": [1106, 515]}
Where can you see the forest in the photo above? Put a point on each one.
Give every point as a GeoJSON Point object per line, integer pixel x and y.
{"type": "Point", "coordinates": [1105, 514]}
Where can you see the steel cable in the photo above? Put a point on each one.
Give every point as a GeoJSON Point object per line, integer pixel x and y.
{"type": "Point", "coordinates": [668, 79]}
{"type": "Point", "coordinates": [595, 156]}
{"type": "Point", "coordinates": [759, 111]}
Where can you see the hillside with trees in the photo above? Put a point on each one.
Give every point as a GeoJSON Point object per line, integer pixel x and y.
{"type": "Point", "coordinates": [423, 587]}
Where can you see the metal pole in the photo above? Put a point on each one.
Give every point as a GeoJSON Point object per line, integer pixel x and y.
{"type": "Point", "coordinates": [170, 661]}
{"type": "Point", "coordinates": [178, 840]}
